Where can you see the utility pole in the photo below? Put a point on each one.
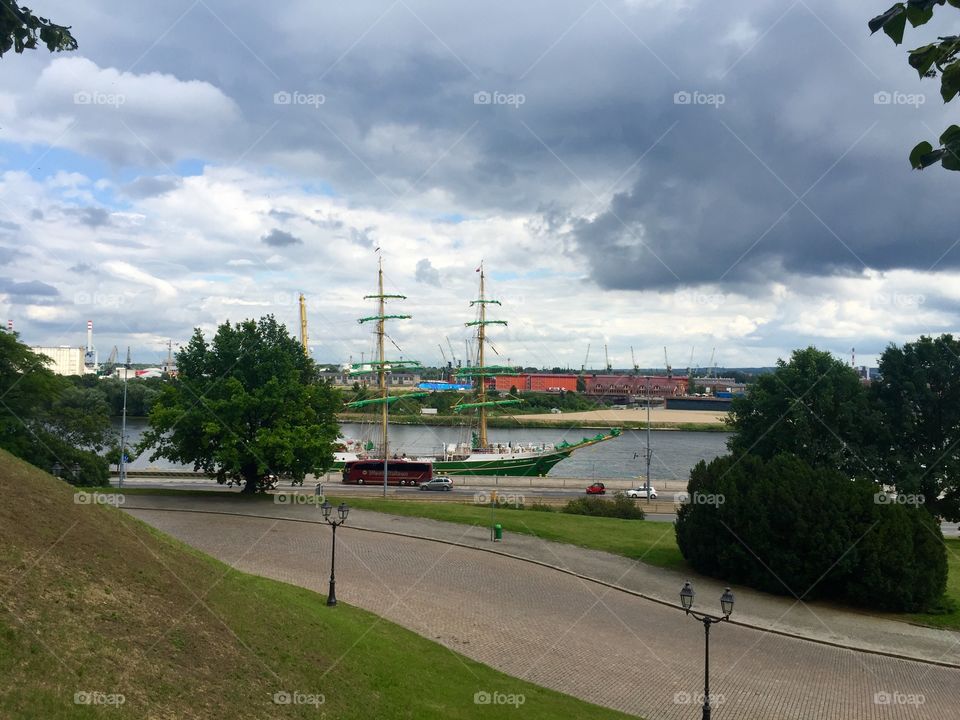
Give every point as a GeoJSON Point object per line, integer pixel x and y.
{"type": "Point", "coordinates": [123, 424]}
{"type": "Point", "coordinates": [648, 436]}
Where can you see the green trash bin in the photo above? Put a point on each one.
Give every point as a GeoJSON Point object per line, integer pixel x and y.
{"type": "Point", "coordinates": [497, 532]}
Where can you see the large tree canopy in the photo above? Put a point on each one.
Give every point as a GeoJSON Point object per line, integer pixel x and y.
{"type": "Point", "coordinates": [813, 407]}
{"type": "Point", "coordinates": [934, 59]}
{"type": "Point", "coordinates": [919, 399]}
{"type": "Point", "coordinates": [246, 404]}
{"type": "Point", "coordinates": [45, 419]}
{"type": "Point", "coordinates": [21, 30]}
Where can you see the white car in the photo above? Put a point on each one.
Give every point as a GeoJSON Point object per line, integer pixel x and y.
{"type": "Point", "coordinates": [641, 492]}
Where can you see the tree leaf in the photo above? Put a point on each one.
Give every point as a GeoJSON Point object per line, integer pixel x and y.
{"type": "Point", "coordinates": [880, 21]}
{"type": "Point", "coordinates": [918, 152]}
{"type": "Point", "coordinates": [950, 81]}
{"type": "Point", "coordinates": [950, 136]}
{"type": "Point", "coordinates": [894, 27]}
{"type": "Point", "coordinates": [951, 156]}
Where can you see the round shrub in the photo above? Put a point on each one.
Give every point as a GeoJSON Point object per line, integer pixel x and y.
{"type": "Point", "coordinates": [786, 528]}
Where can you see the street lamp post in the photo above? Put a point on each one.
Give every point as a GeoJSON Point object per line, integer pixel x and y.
{"type": "Point", "coordinates": [342, 511]}
{"type": "Point", "coordinates": [726, 605]}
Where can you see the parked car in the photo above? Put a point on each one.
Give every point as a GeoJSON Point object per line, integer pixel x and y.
{"type": "Point", "coordinates": [598, 488]}
{"type": "Point", "coordinates": [641, 492]}
{"type": "Point", "coordinates": [437, 482]}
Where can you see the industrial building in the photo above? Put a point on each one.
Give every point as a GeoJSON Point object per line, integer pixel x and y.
{"type": "Point", "coordinates": [64, 360]}
{"type": "Point", "coordinates": [627, 387]}
{"type": "Point", "coordinates": [535, 382]}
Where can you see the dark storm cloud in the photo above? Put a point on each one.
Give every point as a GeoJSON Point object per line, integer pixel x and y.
{"type": "Point", "coordinates": [279, 238]}
{"type": "Point", "coordinates": [147, 186]}
{"type": "Point", "coordinates": [30, 288]}
{"type": "Point", "coordinates": [706, 193]}
{"type": "Point", "coordinates": [93, 217]}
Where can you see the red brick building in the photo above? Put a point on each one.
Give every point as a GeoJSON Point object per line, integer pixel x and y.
{"type": "Point", "coordinates": [628, 386]}
{"type": "Point", "coordinates": [535, 382]}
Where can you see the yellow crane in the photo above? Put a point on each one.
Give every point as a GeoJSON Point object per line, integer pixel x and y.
{"type": "Point", "coordinates": [303, 326]}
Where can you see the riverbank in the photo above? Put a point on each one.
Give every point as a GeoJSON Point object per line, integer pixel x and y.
{"type": "Point", "coordinates": [632, 419]}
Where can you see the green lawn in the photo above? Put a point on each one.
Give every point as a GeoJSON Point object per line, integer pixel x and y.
{"type": "Point", "coordinates": [652, 542]}
{"type": "Point", "coordinates": [95, 601]}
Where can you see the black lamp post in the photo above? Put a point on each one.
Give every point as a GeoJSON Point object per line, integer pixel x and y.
{"type": "Point", "coordinates": [342, 511]}
{"type": "Point", "coordinates": [726, 605]}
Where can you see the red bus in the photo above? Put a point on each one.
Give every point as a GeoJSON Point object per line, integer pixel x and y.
{"type": "Point", "coordinates": [399, 472]}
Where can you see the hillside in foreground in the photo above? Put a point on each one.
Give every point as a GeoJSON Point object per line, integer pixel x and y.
{"type": "Point", "coordinates": [100, 614]}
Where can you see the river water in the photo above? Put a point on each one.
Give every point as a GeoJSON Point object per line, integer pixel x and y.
{"type": "Point", "coordinates": [674, 452]}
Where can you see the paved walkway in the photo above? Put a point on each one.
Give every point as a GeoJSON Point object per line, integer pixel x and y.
{"type": "Point", "coordinates": [577, 636]}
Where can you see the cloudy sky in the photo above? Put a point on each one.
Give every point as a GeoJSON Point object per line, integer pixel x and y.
{"type": "Point", "coordinates": [638, 173]}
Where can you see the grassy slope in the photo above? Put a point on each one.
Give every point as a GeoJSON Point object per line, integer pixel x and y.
{"type": "Point", "coordinates": [652, 542]}
{"type": "Point", "coordinates": [94, 600]}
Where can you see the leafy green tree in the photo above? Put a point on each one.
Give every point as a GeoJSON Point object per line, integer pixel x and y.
{"type": "Point", "coordinates": [246, 404]}
{"type": "Point", "coordinates": [21, 30]}
{"type": "Point", "coordinates": [48, 420]}
{"type": "Point", "coordinates": [918, 395]}
{"type": "Point", "coordinates": [931, 60]}
{"type": "Point", "coordinates": [813, 407]}
{"type": "Point", "coordinates": [785, 527]}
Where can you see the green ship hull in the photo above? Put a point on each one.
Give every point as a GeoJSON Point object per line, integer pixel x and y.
{"type": "Point", "coordinates": [528, 465]}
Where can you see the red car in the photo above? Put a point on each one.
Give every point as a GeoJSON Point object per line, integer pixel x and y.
{"type": "Point", "coordinates": [596, 489]}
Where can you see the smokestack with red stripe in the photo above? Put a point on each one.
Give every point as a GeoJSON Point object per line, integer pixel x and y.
{"type": "Point", "coordinates": [89, 336]}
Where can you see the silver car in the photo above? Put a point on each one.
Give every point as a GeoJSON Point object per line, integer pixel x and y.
{"type": "Point", "coordinates": [438, 482]}
{"type": "Point", "coordinates": [641, 492]}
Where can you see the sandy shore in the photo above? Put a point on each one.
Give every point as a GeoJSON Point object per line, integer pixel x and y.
{"type": "Point", "coordinates": [657, 415]}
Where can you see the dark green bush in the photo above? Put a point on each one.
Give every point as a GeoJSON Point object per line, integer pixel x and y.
{"type": "Point", "coordinates": [619, 507]}
{"type": "Point", "coordinates": [784, 527]}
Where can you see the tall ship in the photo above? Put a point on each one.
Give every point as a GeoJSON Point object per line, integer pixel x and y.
{"type": "Point", "coordinates": [479, 456]}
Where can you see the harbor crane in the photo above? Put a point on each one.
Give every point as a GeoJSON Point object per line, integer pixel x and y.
{"type": "Point", "coordinates": [667, 361]}
{"type": "Point", "coordinates": [690, 364]}
{"type": "Point", "coordinates": [442, 354]}
{"type": "Point", "coordinates": [453, 355]}
{"type": "Point", "coordinates": [633, 359]}
{"type": "Point", "coordinates": [710, 370]}
{"type": "Point", "coordinates": [606, 354]}
{"type": "Point", "coordinates": [586, 359]}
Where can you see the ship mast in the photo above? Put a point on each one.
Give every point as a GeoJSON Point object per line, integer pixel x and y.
{"type": "Point", "coordinates": [481, 339]}
{"type": "Point", "coordinates": [381, 364]}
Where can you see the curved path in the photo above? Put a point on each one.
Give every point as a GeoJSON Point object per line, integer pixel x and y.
{"type": "Point", "coordinates": [567, 633]}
